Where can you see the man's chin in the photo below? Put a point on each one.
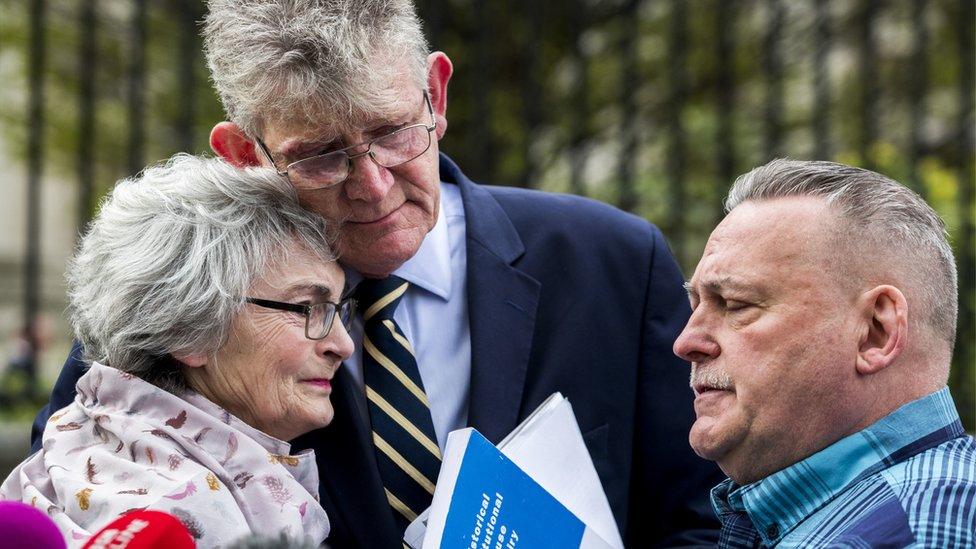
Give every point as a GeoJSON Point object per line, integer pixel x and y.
{"type": "Point", "coordinates": [707, 439]}
{"type": "Point", "coordinates": [379, 258]}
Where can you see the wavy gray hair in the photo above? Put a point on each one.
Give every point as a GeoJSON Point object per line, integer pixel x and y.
{"type": "Point", "coordinates": [288, 59]}
{"type": "Point", "coordinates": [883, 216]}
{"type": "Point", "coordinates": [167, 262]}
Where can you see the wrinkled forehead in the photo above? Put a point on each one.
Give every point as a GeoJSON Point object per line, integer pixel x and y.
{"type": "Point", "coordinates": [779, 237]}
{"type": "Point", "coordinates": [295, 269]}
{"type": "Point", "coordinates": [387, 95]}
{"type": "Point", "coordinates": [755, 224]}
{"type": "Point", "coordinates": [324, 126]}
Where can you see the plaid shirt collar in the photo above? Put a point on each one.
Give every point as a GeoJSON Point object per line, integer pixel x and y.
{"type": "Point", "coordinates": [779, 502]}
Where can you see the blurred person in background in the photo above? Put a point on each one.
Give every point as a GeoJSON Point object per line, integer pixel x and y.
{"type": "Point", "coordinates": [212, 315]}
{"type": "Point", "coordinates": [823, 324]}
{"type": "Point", "coordinates": [484, 300]}
{"type": "Point", "coordinates": [17, 374]}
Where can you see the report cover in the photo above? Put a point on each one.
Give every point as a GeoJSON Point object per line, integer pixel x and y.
{"type": "Point", "coordinates": [484, 501]}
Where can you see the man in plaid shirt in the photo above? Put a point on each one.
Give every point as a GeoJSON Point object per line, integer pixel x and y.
{"type": "Point", "coordinates": [824, 320]}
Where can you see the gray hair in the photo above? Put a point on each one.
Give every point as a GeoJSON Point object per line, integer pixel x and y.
{"type": "Point", "coordinates": [889, 218]}
{"type": "Point", "coordinates": [282, 59]}
{"type": "Point", "coordinates": [167, 262]}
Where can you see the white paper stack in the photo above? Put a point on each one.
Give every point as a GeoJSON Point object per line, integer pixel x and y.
{"type": "Point", "coordinates": [549, 447]}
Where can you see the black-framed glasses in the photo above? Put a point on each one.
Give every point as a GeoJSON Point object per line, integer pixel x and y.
{"type": "Point", "coordinates": [319, 317]}
{"type": "Point", "coordinates": [327, 170]}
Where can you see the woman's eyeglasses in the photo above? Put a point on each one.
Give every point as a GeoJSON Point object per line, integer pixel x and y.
{"type": "Point", "coordinates": [319, 317]}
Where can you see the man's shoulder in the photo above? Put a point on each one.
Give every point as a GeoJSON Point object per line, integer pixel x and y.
{"type": "Point", "coordinates": [929, 498]}
{"type": "Point", "coordinates": [937, 490]}
{"type": "Point", "coordinates": [558, 213]}
{"type": "Point", "coordinates": [952, 463]}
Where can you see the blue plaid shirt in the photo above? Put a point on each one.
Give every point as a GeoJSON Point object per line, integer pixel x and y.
{"type": "Point", "coordinates": [907, 480]}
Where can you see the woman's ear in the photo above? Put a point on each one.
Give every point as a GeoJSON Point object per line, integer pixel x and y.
{"type": "Point", "coordinates": [192, 360]}
{"type": "Point", "coordinates": [885, 333]}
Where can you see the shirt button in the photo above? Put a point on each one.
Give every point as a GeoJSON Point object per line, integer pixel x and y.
{"type": "Point", "coordinates": [772, 531]}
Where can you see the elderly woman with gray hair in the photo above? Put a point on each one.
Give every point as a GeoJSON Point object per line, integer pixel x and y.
{"type": "Point", "coordinates": [211, 309]}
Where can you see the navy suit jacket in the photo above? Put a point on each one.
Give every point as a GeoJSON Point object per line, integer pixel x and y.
{"type": "Point", "coordinates": [564, 294]}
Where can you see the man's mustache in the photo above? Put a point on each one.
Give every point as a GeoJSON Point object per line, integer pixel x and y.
{"type": "Point", "coordinates": [710, 377]}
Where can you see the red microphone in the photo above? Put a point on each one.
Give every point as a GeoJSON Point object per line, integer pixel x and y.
{"type": "Point", "coordinates": [24, 526]}
{"type": "Point", "coordinates": [143, 530]}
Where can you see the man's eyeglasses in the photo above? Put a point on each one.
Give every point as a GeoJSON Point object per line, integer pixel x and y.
{"type": "Point", "coordinates": [330, 169]}
{"type": "Point", "coordinates": [318, 317]}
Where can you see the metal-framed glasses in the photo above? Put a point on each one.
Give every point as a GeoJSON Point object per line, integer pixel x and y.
{"type": "Point", "coordinates": [329, 169]}
{"type": "Point", "coordinates": [319, 317]}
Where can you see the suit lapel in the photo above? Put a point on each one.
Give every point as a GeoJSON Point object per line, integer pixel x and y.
{"type": "Point", "coordinates": [501, 309]}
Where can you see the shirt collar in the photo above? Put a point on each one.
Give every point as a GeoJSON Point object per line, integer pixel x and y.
{"type": "Point", "coordinates": [777, 503]}
{"type": "Point", "coordinates": [430, 268]}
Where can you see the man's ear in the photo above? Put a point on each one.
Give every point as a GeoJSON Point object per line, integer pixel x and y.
{"type": "Point", "coordinates": [191, 360]}
{"type": "Point", "coordinates": [228, 140]}
{"type": "Point", "coordinates": [886, 332]}
{"type": "Point", "coordinates": [439, 70]}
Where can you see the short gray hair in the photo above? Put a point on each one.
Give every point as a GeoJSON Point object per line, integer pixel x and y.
{"type": "Point", "coordinates": [167, 262]}
{"type": "Point", "coordinates": [880, 211]}
{"type": "Point", "coordinates": [282, 59]}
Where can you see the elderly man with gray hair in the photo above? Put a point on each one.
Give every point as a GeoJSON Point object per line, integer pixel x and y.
{"type": "Point", "coordinates": [823, 323]}
{"type": "Point", "coordinates": [477, 302]}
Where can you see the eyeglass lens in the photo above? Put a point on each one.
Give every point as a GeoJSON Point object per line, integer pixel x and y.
{"type": "Point", "coordinates": [322, 316]}
{"type": "Point", "coordinates": [387, 151]}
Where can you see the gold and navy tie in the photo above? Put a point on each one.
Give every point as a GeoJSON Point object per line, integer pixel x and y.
{"type": "Point", "coordinates": [403, 433]}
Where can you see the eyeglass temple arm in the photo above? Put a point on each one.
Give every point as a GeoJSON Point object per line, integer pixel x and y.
{"type": "Point", "coordinates": [292, 307]}
{"type": "Point", "coordinates": [267, 155]}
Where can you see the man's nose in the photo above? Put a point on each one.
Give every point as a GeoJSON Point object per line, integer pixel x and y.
{"type": "Point", "coordinates": [367, 181]}
{"type": "Point", "coordinates": [695, 344]}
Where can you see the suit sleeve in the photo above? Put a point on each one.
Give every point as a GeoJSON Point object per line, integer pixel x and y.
{"type": "Point", "coordinates": [669, 501]}
{"type": "Point", "coordinates": [62, 395]}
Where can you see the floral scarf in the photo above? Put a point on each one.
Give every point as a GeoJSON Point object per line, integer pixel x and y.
{"type": "Point", "coordinates": [125, 445]}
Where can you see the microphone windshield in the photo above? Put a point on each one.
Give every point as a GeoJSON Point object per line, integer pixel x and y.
{"type": "Point", "coordinates": [143, 530]}
{"type": "Point", "coordinates": [24, 526]}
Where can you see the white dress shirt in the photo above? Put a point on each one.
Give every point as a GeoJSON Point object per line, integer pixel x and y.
{"type": "Point", "coordinates": [433, 314]}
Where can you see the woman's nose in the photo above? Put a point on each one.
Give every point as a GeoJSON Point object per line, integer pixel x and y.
{"type": "Point", "coordinates": [338, 342]}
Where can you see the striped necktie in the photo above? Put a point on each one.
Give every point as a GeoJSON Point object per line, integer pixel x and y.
{"type": "Point", "coordinates": [403, 433]}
